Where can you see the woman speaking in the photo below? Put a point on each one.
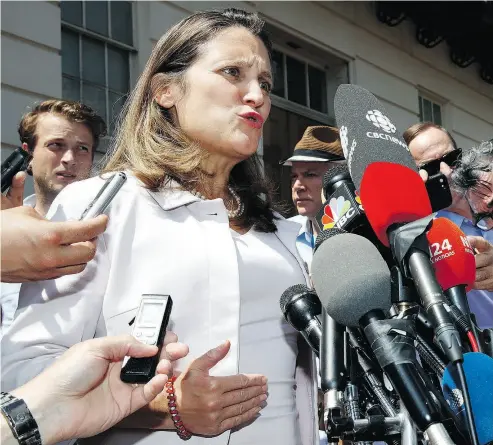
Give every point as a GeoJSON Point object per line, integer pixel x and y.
{"type": "Point", "coordinates": [194, 221]}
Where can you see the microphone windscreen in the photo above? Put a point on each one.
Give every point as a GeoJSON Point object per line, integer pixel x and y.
{"type": "Point", "coordinates": [451, 255]}
{"type": "Point", "coordinates": [350, 278]}
{"type": "Point", "coordinates": [367, 134]}
{"type": "Point", "coordinates": [333, 175]}
{"type": "Point", "coordinates": [478, 369]}
{"type": "Point", "coordinates": [390, 194]}
{"type": "Point", "coordinates": [325, 235]}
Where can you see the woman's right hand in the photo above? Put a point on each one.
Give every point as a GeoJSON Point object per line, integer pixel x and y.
{"type": "Point", "coordinates": [208, 405]}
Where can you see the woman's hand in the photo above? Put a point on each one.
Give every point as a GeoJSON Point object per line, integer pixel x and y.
{"type": "Point", "coordinates": [81, 394]}
{"type": "Point", "coordinates": [209, 405]}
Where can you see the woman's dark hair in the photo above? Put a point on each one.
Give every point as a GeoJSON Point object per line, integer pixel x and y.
{"type": "Point", "coordinates": [149, 143]}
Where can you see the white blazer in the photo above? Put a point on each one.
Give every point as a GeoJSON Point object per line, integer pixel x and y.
{"type": "Point", "coordinates": [166, 242]}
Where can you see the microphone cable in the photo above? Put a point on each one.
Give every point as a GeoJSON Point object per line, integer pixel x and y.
{"type": "Point", "coordinates": [467, 403]}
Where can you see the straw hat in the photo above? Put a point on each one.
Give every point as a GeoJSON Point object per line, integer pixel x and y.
{"type": "Point", "coordinates": [318, 144]}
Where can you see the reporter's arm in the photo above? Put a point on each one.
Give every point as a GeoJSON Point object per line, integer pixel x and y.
{"type": "Point", "coordinates": [82, 394]}
{"type": "Point", "coordinates": [54, 315]}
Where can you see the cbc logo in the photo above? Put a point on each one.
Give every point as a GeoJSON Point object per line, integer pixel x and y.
{"type": "Point", "coordinates": [344, 141]}
{"type": "Point", "coordinates": [380, 121]}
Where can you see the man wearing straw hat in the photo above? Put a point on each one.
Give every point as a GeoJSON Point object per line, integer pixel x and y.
{"type": "Point", "coordinates": [318, 150]}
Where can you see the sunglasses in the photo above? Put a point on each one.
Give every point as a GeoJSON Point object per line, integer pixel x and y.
{"type": "Point", "coordinates": [451, 158]}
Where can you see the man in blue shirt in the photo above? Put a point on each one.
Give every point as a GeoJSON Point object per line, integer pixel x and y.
{"type": "Point", "coordinates": [471, 181]}
{"type": "Point", "coordinates": [318, 150]}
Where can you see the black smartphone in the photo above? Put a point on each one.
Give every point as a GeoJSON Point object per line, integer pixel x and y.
{"type": "Point", "coordinates": [438, 192]}
{"type": "Point", "coordinates": [150, 328]}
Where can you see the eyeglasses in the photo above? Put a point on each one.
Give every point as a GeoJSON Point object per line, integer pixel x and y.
{"type": "Point", "coordinates": [451, 158]}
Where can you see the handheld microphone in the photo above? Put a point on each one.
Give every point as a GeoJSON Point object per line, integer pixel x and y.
{"type": "Point", "coordinates": [478, 369]}
{"type": "Point", "coordinates": [353, 283]}
{"type": "Point", "coordinates": [343, 209]}
{"type": "Point", "coordinates": [300, 307]}
{"type": "Point", "coordinates": [453, 260]}
{"type": "Point", "coordinates": [14, 163]}
{"type": "Point", "coordinates": [455, 268]}
{"type": "Point", "coordinates": [393, 195]}
{"type": "Point", "coordinates": [367, 134]}
{"type": "Point", "coordinates": [379, 161]}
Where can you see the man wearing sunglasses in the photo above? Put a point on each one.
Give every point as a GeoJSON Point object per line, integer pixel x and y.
{"type": "Point", "coordinates": [435, 151]}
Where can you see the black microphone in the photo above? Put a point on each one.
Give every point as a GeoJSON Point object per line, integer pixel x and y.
{"type": "Point", "coordinates": [343, 209]}
{"type": "Point", "coordinates": [14, 163]}
{"type": "Point", "coordinates": [353, 283]}
{"type": "Point", "coordinates": [300, 307]}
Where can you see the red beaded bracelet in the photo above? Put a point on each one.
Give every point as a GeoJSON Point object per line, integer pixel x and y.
{"type": "Point", "coordinates": [173, 410]}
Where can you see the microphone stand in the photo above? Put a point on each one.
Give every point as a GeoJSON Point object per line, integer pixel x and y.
{"type": "Point", "coordinates": [332, 372]}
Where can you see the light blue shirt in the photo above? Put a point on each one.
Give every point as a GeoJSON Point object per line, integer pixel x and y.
{"type": "Point", "coordinates": [305, 242]}
{"type": "Point", "coordinates": [9, 294]}
{"type": "Point", "coordinates": [480, 301]}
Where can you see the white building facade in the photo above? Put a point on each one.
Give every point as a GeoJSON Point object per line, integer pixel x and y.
{"type": "Point", "coordinates": [94, 51]}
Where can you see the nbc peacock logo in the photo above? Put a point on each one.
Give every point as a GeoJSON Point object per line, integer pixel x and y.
{"type": "Point", "coordinates": [336, 208]}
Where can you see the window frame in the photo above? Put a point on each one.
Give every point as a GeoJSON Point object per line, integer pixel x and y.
{"type": "Point", "coordinates": [288, 105]}
{"type": "Point", "coordinates": [421, 97]}
{"type": "Point", "coordinates": [106, 41]}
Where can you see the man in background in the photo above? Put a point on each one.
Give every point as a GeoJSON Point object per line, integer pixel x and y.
{"type": "Point", "coordinates": [318, 150]}
{"type": "Point", "coordinates": [62, 137]}
{"type": "Point", "coordinates": [428, 143]}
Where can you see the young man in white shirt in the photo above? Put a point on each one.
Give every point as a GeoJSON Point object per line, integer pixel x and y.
{"type": "Point", "coordinates": [62, 137]}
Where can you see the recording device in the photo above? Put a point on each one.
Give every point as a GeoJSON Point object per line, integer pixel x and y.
{"type": "Point", "coordinates": [104, 197]}
{"type": "Point", "coordinates": [149, 328]}
{"type": "Point", "coordinates": [478, 369]}
{"type": "Point", "coordinates": [17, 161]}
{"type": "Point", "coordinates": [353, 283]}
{"type": "Point", "coordinates": [300, 307]}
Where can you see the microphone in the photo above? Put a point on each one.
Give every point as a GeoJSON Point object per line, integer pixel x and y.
{"type": "Point", "coordinates": [453, 260]}
{"type": "Point", "coordinates": [393, 195]}
{"type": "Point", "coordinates": [367, 134]}
{"type": "Point", "coordinates": [343, 209]}
{"type": "Point", "coordinates": [455, 268]}
{"type": "Point", "coordinates": [379, 161]}
{"type": "Point", "coordinates": [300, 307]}
{"type": "Point", "coordinates": [15, 162]}
{"type": "Point", "coordinates": [353, 284]}
{"type": "Point", "coordinates": [478, 369]}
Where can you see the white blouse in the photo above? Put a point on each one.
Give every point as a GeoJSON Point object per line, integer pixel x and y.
{"type": "Point", "coordinates": [267, 343]}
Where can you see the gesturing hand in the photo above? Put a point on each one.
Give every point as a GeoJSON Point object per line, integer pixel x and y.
{"type": "Point", "coordinates": [484, 262]}
{"type": "Point", "coordinates": [81, 394]}
{"type": "Point", "coordinates": [36, 249]}
{"type": "Point", "coordinates": [211, 405]}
